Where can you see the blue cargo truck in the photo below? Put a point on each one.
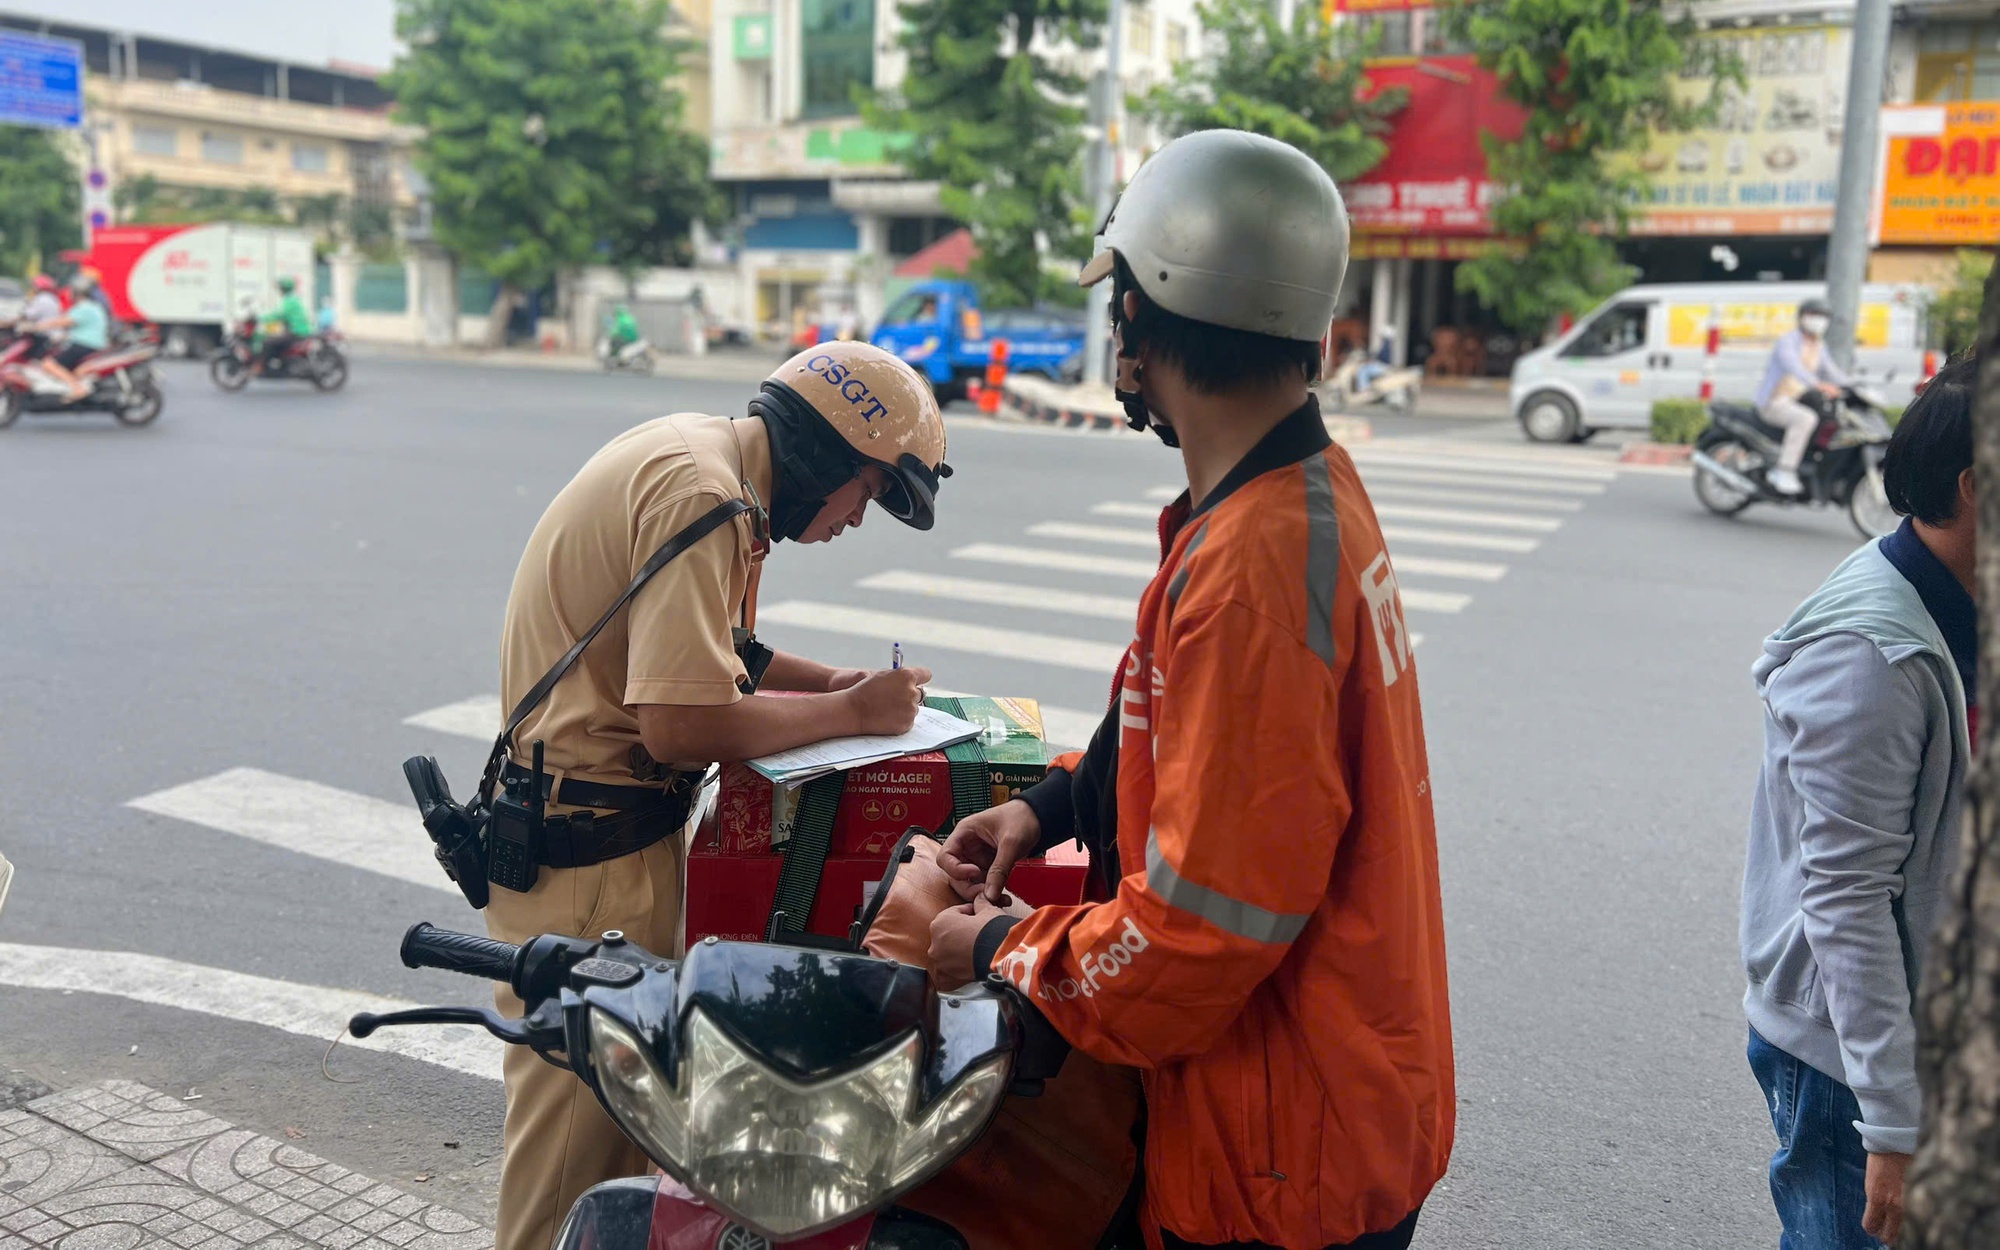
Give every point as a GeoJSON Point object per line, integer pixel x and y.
{"type": "Point", "coordinates": [939, 328]}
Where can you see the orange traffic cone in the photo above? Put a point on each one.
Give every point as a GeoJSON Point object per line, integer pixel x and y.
{"type": "Point", "coordinates": [996, 375]}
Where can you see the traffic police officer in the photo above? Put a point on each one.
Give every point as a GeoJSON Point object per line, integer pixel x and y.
{"type": "Point", "coordinates": [665, 688]}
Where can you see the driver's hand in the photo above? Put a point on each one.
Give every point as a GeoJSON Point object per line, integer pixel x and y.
{"type": "Point", "coordinates": [1830, 390]}
{"type": "Point", "coordinates": [982, 849]}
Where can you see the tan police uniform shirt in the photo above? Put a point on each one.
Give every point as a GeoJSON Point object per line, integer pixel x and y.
{"type": "Point", "coordinates": [673, 643]}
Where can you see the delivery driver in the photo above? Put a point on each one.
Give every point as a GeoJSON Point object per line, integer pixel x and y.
{"type": "Point", "coordinates": [662, 691]}
{"type": "Point", "coordinates": [1269, 948]}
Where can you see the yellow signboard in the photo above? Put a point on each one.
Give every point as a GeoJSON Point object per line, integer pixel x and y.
{"type": "Point", "coordinates": [1760, 325]}
{"type": "Point", "coordinates": [1942, 187]}
{"type": "Point", "coordinates": [1771, 162]}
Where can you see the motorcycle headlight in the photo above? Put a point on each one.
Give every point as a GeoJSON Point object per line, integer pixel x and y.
{"type": "Point", "coordinates": [784, 1157]}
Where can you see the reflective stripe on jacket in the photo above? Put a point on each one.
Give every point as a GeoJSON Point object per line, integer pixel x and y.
{"type": "Point", "coordinates": [1273, 956]}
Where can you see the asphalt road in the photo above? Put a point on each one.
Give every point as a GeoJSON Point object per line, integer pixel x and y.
{"type": "Point", "coordinates": [276, 581]}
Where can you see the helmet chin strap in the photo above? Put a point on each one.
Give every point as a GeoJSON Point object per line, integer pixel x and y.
{"type": "Point", "coordinates": [1131, 374]}
{"type": "Point", "coordinates": [808, 463]}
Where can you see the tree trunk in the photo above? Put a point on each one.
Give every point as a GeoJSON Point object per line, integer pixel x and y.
{"type": "Point", "coordinates": [1954, 1185]}
{"type": "Point", "coordinates": [505, 300]}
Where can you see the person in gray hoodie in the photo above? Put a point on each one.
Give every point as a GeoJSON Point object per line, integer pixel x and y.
{"type": "Point", "coordinates": [1868, 724]}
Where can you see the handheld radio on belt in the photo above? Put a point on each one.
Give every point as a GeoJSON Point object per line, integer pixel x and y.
{"type": "Point", "coordinates": [503, 835]}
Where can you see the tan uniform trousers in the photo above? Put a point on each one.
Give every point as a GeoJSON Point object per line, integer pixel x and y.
{"type": "Point", "coordinates": [559, 1141]}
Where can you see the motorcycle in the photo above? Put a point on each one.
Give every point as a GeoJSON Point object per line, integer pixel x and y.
{"type": "Point", "coordinates": [790, 1094]}
{"type": "Point", "coordinates": [1394, 388]}
{"type": "Point", "coordinates": [314, 358]}
{"type": "Point", "coordinates": [1842, 467]}
{"type": "Point", "coordinates": [120, 378]}
{"type": "Point", "coordinates": [636, 356]}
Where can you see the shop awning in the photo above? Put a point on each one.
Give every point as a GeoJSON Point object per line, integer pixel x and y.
{"type": "Point", "coordinates": [954, 252]}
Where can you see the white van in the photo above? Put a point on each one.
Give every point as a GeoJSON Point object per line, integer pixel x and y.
{"type": "Point", "coordinates": [1647, 343]}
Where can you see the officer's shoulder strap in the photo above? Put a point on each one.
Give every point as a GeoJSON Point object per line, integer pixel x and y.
{"type": "Point", "coordinates": [702, 526]}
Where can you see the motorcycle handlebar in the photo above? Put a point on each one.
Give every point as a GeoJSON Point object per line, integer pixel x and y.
{"type": "Point", "coordinates": [427, 946]}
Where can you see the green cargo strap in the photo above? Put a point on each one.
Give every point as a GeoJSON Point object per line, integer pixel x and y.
{"type": "Point", "coordinates": [805, 856]}
{"type": "Point", "coordinates": [971, 783]}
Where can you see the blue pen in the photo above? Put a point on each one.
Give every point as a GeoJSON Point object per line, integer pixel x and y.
{"type": "Point", "coordinates": [895, 655]}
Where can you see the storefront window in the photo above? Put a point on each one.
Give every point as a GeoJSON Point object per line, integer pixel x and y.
{"type": "Point", "coordinates": [1958, 61]}
{"type": "Point", "coordinates": [838, 38]}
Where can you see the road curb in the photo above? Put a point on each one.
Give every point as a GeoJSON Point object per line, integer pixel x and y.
{"type": "Point", "coordinates": [120, 1164]}
{"type": "Point", "coordinates": [1655, 454]}
{"type": "Point", "coordinates": [1087, 407]}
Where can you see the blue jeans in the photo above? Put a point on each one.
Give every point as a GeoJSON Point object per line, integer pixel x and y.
{"type": "Point", "coordinates": [1819, 1171]}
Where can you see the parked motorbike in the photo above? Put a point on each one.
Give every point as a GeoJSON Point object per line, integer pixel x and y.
{"type": "Point", "coordinates": [314, 358]}
{"type": "Point", "coordinates": [636, 356]}
{"type": "Point", "coordinates": [1394, 388]}
{"type": "Point", "coordinates": [120, 378]}
{"type": "Point", "coordinates": [790, 1094]}
{"type": "Point", "coordinates": [1842, 467]}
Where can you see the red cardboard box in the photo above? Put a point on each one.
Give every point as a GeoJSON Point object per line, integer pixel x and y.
{"type": "Point", "coordinates": [878, 806]}
{"type": "Point", "coordinates": [729, 896]}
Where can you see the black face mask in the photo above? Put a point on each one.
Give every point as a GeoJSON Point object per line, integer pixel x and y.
{"type": "Point", "coordinates": [1128, 372]}
{"type": "Point", "coordinates": [809, 461]}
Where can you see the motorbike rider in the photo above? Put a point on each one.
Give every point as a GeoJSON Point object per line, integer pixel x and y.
{"type": "Point", "coordinates": [670, 685]}
{"type": "Point", "coordinates": [1266, 939]}
{"type": "Point", "coordinates": [1799, 364]}
{"type": "Point", "coordinates": [1378, 364]}
{"type": "Point", "coordinates": [42, 319]}
{"type": "Point", "coordinates": [624, 329]}
{"type": "Point", "coordinates": [285, 325]}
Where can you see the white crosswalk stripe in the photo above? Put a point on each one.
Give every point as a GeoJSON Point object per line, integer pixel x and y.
{"type": "Point", "coordinates": [1003, 594]}
{"type": "Point", "coordinates": [1475, 479]}
{"type": "Point", "coordinates": [312, 1011]}
{"type": "Point", "coordinates": [1429, 494]}
{"type": "Point", "coordinates": [468, 718]}
{"type": "Point", "coordinates": [1095, 534]}
{"type": "Point", "coordinates": [1461, 516]}
{"type": "Point", "coordinates": [1383, 458]}
{"type": "Point", "coordinates": [1458, 538]}
{"type": "Point", "coordinates": [1143, 511]}
{"type": "Point", "coordinates": [1060, 561]}
{"type": "Point", "coordinates": [357, 831]}
{"type": "Point", "coordinates": [1007, 644]}
{"type": "Point", "coordinates": [1464, 570]}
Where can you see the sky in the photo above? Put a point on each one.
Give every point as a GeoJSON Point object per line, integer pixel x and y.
{"type": "Point", "coordinates": [311, 34]}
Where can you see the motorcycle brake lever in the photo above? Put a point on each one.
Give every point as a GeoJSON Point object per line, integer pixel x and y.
{"type": "Point", "coordinates": [511, 1031]}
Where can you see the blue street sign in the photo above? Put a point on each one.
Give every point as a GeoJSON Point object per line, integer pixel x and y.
{"type": "Point", "coordinates": [41, 82]}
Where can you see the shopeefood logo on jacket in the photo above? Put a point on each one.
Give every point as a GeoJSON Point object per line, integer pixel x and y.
{"type": "Point", "coordinates": [851, 388]}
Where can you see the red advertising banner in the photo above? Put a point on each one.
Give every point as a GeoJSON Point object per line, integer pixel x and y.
{"type": "Point", "coordinates": [1433, 181]}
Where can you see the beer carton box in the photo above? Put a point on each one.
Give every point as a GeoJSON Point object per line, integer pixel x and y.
{"type": "Point", "coordinates": [881, 801]}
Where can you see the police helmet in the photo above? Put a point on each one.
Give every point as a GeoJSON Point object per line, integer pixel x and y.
{"type": "Point", "coordinates": [882, 413]}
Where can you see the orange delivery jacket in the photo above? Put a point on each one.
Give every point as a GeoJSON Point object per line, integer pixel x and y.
{"type": "Point", "coordinates": [1273, 955]}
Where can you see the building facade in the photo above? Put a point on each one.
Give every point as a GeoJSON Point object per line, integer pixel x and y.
{"type": "Point", "coordinates": [1748, 197]}
{"type": "Point", "coordinates": [822, 213]}
{"type": "Point", "coordinates": [175, 126]}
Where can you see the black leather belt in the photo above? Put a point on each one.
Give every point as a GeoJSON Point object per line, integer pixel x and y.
{"type": "Point", "coordinates": [614, 798]}
{"type": "Point", "coordinates": [583, 838]}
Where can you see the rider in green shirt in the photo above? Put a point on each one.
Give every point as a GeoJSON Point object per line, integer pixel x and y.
{"type": "Point", "coordinates": [287, 324]}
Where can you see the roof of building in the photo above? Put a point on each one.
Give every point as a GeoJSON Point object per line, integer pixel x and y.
{"type": "Point", "coordinates": [954, 252]}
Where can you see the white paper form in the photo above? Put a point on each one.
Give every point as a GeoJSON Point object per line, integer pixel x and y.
{"type": "Point", "coordinates": [933, 731]}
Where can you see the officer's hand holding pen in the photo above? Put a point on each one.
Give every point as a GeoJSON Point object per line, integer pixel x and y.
{"type": "Point", "coordinates": [886, 701]}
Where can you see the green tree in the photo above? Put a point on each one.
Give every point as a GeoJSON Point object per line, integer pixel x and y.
{"type": "Point", "coordinates": [1304, 86]}
{"type": "Point", "coordinates": [41, 203]}
{"type": "Point", "coordinates": [551, 137]}
{"type": "Point", "coordinates": [998, 124]}
{"type": "Point", "coordinates": [1955, 315]}
{"type": "Point", "coordinates": [1594, 76]}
